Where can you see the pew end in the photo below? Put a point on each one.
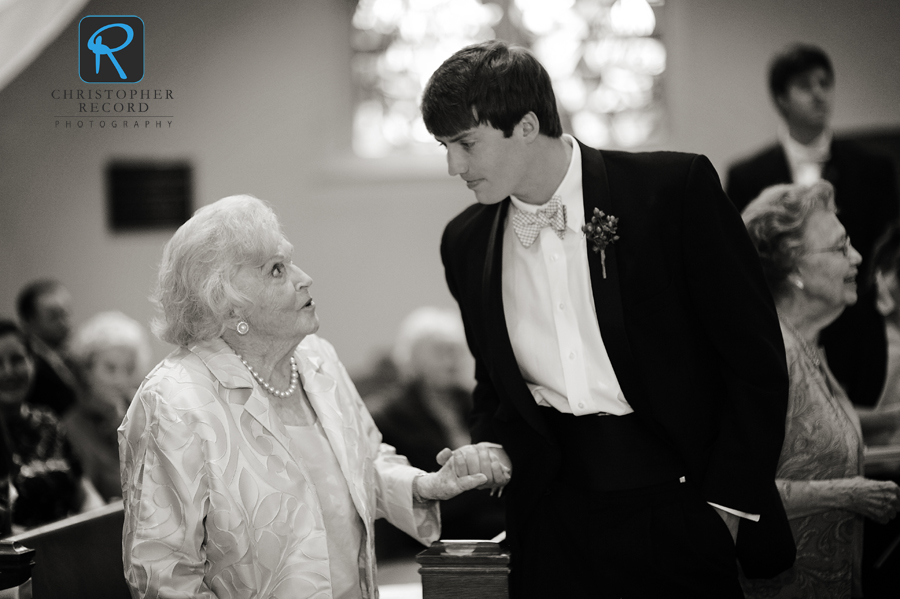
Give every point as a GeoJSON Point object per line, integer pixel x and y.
{"type": "Point", "coordinates": [80, 556]}
{"type": "Point", "coordinates": [464, 570]}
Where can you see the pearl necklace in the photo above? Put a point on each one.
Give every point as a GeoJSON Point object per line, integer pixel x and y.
{"type": "Point", "coordinates": [810, 353]}
{"type": "Point", "coordinates": [295, 377]}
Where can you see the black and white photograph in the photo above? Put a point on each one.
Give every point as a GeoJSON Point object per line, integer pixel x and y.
{"type": "Point", "coordinates": [433, 299]}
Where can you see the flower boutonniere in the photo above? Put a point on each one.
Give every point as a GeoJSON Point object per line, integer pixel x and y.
{"type": "Point", "coordinates": [602, 232]}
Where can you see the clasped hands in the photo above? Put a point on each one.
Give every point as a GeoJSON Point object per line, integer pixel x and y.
{"type": "Point", "coordinates": [479, 466]}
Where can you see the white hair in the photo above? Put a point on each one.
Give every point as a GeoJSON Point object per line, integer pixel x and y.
{"type": "Point", "coordinates": [425, 323]}
{"type": "Point", "coordinates": [110, 329]}
{"type": "Point", "coordinates": [195, 294]}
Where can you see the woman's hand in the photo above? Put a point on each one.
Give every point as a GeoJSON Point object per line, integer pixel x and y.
{"type": "Point", "coordinates": [875, 499]}
{"type": "Point", "coordinates": [446, 483]}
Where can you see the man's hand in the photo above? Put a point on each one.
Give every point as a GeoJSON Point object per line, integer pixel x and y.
{"type": "Point", "coordinates": [731, 521]}
{"type": "Point", "coordinates": [485, 458]}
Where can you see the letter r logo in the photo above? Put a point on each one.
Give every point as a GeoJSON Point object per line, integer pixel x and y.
{"type": "Point", "coordinates": [111, 49]}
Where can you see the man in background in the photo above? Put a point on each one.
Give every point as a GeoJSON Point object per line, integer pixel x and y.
{"type": "Point", "coordinates": [801, 83]}
{"type": "Point", "coordinates": [44, 310]}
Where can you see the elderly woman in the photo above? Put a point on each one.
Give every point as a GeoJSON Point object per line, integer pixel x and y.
{"type": "Point", "coordinates": [111, 355]}
{"type": "Point", "coordinates": [250, 467]}
{"type": "Point", "coordinates": [46, 475]}
{"type": "Point", "coordinates": [811, 269]}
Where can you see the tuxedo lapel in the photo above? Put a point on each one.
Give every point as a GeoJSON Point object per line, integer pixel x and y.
{"type": "Point", "coordinates": [500, 356]}
{"type": "Point", "coordinates": [779, 167]}
{"type": "Point", "coordinates": [607, 291]}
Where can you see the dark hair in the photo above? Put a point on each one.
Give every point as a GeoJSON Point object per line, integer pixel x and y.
{"type": "Point", "coordinates": [795, 60]}
{"type": "Point", "coordinates": [26, 302]}
{"type": "Point", "coordinates": [886, 253]}
{"type": "Point", "coordinates": [9, 326]}
{"type": "Point", "coordinates": [493, 82]}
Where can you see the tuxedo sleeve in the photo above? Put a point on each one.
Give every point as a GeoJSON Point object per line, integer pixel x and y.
{"type": "Point", "coordinates": [736, 312]}
{"type": "Point", "coordinates": [886, 181]}
{"type": "Point", "coordinates": [484, 397]}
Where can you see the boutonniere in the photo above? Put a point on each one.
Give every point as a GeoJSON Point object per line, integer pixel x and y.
{"type": "Point", "coordinates": [602, 232]}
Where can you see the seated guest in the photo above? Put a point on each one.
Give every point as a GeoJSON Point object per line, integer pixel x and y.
{"type": "Point", "coordinates": [44, 309]}
{"type": "Point", "coordinates": [250, 467]}
{"type": "Point", "coordinates": [111, 355]}
{"type": "Point", "coordinates": [811, 269]}
{"type": "Point", "coordinates": [45, 474]}
{"type": "Point", "coordinates": [881, 577]}
{"type": "Point", "coordinates": [886, 270]}
{"type": "Point", "coordinates": [427, 412]}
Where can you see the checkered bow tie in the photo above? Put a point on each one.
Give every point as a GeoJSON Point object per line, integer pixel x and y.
{"type": "Point", "coordinates": [528, 225]}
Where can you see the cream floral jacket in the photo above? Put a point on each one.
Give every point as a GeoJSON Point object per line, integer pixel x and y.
{"type": "Point", "coordinates": [216, 504]}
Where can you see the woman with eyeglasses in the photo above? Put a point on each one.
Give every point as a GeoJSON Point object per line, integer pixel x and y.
{"type": "Point", "coordinates": [811, 269]}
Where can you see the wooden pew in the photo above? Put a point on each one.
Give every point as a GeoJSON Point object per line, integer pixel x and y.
{"type": "Point", "coordinates": [79, 557]}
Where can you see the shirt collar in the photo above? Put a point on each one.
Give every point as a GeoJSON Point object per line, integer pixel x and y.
{"type": "Point", "coordinates": [569, 190]}
{"type": "Point", "coordinates": [818, 150]}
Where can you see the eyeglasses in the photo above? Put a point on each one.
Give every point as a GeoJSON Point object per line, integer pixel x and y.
{"type": "Point", "coordinates": [843, 248]}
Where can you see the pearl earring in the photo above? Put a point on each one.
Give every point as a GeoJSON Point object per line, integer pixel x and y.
{"type": "Point", "coordinates": [798, 283]}
{"type": "Point", "coordinates": [242, 328]}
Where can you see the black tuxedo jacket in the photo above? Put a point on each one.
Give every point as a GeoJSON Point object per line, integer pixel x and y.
{"type": "Point", "coordinates": [865, 191]}
{"type": "Point", "coordinates": [687, 321]}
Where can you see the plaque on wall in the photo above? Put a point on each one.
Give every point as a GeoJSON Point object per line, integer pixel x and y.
{"type": "Point", "coordinates": [148, 195]}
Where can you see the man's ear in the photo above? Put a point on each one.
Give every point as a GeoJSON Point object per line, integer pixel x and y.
{"type": "Point", "coordinates": [781, 102]}
{"type": "Point", "coordinates": [530, 126]}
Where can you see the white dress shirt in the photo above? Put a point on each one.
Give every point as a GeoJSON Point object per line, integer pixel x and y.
{"type": "Point", "coordinates": [550, 313]}
{"type": "Point", "coordinates": [806, 161]}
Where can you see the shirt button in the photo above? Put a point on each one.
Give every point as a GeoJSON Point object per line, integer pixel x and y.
{"type": "Point", "coordinates": [581, 406]}
{"type": "Point", "coordinates": [562, 306]}
{"type": "Point", "coordinates": [571, 355]}
{"type": "Point", "coordinates": [553, 258]}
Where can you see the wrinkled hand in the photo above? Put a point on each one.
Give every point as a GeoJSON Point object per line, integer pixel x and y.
{"type": "Point", "coordinates": [486, 458]}
{"type": "Point", "coordinates": [446, 483]}
{"type": "Point", "coordinates": [875, 499]}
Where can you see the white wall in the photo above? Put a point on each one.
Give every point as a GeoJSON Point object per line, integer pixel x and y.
{"type": "Point", "coordinates": [262, 105]}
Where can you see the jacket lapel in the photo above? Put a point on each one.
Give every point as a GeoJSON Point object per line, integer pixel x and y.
{"type": "Point", "coordinates": [322, 390]}
{"type": "Point", "coordinates": [230, 373]}
{"type": "Point", "coordinates": [607, 291]}
{"type": "Point", "coordinates": [500, 356]}
{"type": "Point", "coordinates": [779, 167]}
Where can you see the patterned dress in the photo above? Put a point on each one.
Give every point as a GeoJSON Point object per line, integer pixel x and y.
{"type": "Point", "coordinates": [822, 442]}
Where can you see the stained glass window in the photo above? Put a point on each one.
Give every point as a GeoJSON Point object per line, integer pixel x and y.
{"type": "Point", "coordinates": [605, 57]}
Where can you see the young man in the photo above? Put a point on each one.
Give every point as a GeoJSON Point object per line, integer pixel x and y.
{"type": "Point", "coordinates": [801, 82]}
{"type": "Point", "coordinates": [635, 376]}
{"type": "Point", "coordinates": [44, 310]}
